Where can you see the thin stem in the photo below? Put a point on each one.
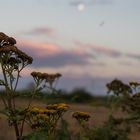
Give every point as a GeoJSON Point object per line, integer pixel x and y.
{"type": "Point", "coordinates": [4, 102]}
{"type": "Point", "coordinates": [14, 89]}
{"type": "Point", "coordinates": [4, 75]}
{"type": "Point", "coordinates": [17, 79]}
{"type": "Point", "coordinates": [7, 88]}
{"type": "Point", "coordinates": [9, 100]}
{"type": "Point", "coordinates": [29, 104]}
{"type": "Point", "coordinates": [16, 130]}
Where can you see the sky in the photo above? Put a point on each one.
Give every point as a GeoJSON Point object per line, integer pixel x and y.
{"type": "Point", "coordinates": [90, 42]}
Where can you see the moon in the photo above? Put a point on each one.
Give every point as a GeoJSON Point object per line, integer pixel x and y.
{"type": "Point", "coordinates": [81, 7]}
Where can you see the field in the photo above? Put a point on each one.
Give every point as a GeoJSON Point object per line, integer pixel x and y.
{"type": "Point", "coordinates": [99, 115]}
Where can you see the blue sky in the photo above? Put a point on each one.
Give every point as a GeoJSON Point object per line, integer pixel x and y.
{"type": "Point", "coordinates": [89, 46]}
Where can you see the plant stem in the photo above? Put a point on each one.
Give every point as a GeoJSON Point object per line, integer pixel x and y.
{"type": "Point", "coordinates": [29, 104]}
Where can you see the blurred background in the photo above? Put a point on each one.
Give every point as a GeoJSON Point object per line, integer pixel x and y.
{"type": "Point", "coordinates": [90, 42]}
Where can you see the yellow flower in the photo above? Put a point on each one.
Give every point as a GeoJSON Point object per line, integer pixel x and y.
{"type": "Point", "coordinates": [62, 104]}
{"type": "Point", "coordinates": [81, 116]}
{"type": "Point", "coordinates": [62, 108]}
{"type": "Point", "coordinates": [41, 111]}
{"type": "Point", "coordinates": [34, 110]}
{"type": "Point", "coordinates": [52, 106]}
{"type": "Point", "coordinates": [43, 117]}
{"type": "Point", "coordinates": [50, 112]}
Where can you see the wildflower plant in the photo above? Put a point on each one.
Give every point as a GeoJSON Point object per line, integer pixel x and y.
{"type": "Point", "coordinates": [12, 62]}
{"type": "Point", "coordinates": [82, 118]}
{"type": "Point", "coordinates": [129, 101]}
{"type": "Point", "coordinates": [129, 95]}
{"type": "Point", "coordinates": [46, 119]}
{"type": "Point", "coordinates": [45, 80]}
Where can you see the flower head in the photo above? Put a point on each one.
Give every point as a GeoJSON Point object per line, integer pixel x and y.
{"type": "Point", "coordinates": [47, 78]}
{"type": "Point", "coordinates": [134, 84]}
{"type": "Point", "coordinates": [6, 40]}
{"type": "Point", "coordinates": [17, 55]}
{"type": "Point", "coordinates": [81, 116]}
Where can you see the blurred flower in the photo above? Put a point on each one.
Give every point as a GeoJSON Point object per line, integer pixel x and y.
{"type": "Point", "coordinates": [40, 118]}
{"type": "Point", "coordinates": [43, 117]}
{"type": "Point", "coordinates": [14, 53]}
{"type": "Point", "coordinates": [34, 110]}
{"type": "Point", "coordinates": [118, 87]}
{"type": "Point", "coordinates": [134, 84]}
{"type": "Point", "coordinates": [47, 78]}
{"type": "Point", "coordinates": [81, 116]}
{"type": "Point", "coordinates": [6, 40]}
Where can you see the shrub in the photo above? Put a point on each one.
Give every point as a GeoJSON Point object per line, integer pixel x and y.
{"type": "Point", "coordinates": [80, 95]}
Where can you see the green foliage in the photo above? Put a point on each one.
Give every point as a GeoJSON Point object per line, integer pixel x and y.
{"type": "Point", "coordinates": [38, 135]}
{"type": "Point", "coordinates": [110, 131]}
{"type": "Point", "coordinates": [128, 98]}
{"type": "Point", "coordinates": [80, 95]}
{"type": "Point", "coordinates": [118, 88]}
{"type": "Point", "coordinates": [63, 133]}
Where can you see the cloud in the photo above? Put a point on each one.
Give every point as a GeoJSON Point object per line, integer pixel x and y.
{"type": "Point", "coordinates": [78, 65]}
{"type": "Point", "coordinates": [100, 50]}
{"type": "Point", "coordinates": [37, 48]}
{"type": "Point", "coordinates": [126, 63]}
{"type": "Point", "coordinates": [134, 56]}
{"type": "Point", "coordinates": [53, 55]}
{"type": "Point", "coordinates": [82, 55]}
{"type": "Point", "coordinates": [47, 31]}
{"type": "Point", "coordinates": [62, 59]}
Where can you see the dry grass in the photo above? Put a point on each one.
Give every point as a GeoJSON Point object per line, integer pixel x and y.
{"type": "Point", "coordinates": [98, 116]}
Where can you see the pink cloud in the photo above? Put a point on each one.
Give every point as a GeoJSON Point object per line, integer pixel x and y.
{"type": "Point", "coordinates": [53, 55]}
{"type": "Point", "coordinates": [39, 49]}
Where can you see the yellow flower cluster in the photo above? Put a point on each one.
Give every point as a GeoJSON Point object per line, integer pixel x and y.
{"type": "Point", "coordinates": [43, 117]}
{"type": "Point", "coordinates": [47, 117]}
{"type": "Point", "coordinates": [81, 116]}
{"type": "Point", "coordinates": [48, 112]}
{"type": "Point", "coordinates": [58, 107]}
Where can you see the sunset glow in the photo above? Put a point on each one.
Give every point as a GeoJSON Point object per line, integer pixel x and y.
{"type": "Point", "coordinates": [99, 41]}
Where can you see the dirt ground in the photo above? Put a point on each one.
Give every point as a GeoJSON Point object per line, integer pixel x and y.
{"type": "Point", "coordinates": [98, 116]}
